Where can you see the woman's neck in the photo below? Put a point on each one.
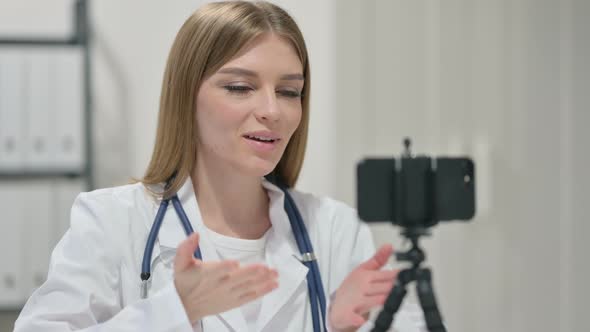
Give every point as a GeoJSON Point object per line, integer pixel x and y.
{"type": "Point", "coordinates": [230, 203]}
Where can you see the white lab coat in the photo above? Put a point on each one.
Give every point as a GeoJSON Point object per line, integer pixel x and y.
{"type": "Point", "coordinates": [94, 284]}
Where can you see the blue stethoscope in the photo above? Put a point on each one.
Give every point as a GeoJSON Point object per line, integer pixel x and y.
{"type": "Point", "coordinates": [314, 280]}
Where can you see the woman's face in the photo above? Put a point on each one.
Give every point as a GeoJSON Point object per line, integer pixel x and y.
{"type": "Point", "coordinates": [247, 111]}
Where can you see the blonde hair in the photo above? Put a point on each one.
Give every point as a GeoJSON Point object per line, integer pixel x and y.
{"type": "Point", "coordinates": [209, 38]}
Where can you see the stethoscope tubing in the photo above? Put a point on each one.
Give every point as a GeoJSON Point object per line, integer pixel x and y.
{"type": "Point", "coordinates": [304, 245]}
{"type": "Point", "coordinates": [186, 224]}
{"type": "Point", "coordinates": [151, 241]}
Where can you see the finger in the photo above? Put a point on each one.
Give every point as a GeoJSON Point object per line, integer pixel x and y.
{"type": "Point", "coordinates": [384, 275]}
{"type": "Point", "coordinates": [249, 274]}
{"type": "Point", "coordinates": [351, 319]}
{"type": "Point", "coordinates": [252, 269]}
{"type": "Point", "coordinates": [379, 288]}
{"type": "Point", "coordinates": [379, 259]}
{"type": "Point", "coordinates": [243, 285]}
{"type": "Point", "coordinates": [356, 320]}
{"type": "Point", "coordinates": [370, 302]}
{"type": "Point", "coordinates": [185, 251]}
{"type": "Point", "coordinates": [247, 295]}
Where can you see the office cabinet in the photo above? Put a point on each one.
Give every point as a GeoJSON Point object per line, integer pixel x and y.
{"type": "Point", "coordinates": [45, 150]}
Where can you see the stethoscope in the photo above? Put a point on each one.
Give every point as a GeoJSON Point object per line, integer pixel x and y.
{"type": "Point", "coordinates": [314, 280]}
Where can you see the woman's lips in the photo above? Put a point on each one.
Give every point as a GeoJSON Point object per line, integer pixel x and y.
{"type": "Point", "coordinates": [261, 146]}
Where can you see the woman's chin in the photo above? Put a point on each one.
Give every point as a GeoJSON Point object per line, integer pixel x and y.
{"type": "Point", "coordinates": [260, 168]}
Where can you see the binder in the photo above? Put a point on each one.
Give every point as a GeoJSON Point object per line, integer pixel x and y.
{"type": "Point", "coordinates": [12, 285]}
{"type": "Point", "coordinates": [69, 111]}
{"type": "Point", "coordinates": [40, 97]}
{"type": "Point", "coordinates": [12, 109]}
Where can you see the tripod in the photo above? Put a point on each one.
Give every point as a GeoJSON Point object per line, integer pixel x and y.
{"type": "Point", "coordinates": [422, 276]}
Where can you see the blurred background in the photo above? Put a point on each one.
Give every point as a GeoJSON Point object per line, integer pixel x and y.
{"type": "Point", "coordinates": [503, 81]}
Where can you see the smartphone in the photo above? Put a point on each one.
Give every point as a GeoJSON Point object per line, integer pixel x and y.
{"type": "Point", "coordinates": [416, 192]}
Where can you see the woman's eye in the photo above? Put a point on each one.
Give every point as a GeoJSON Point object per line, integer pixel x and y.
{"type": "Point", "coordinates": [238, 89]}
{"type": "Point", "coordinates": [243, 89]}
{"type": "Point", "coordinates": [289, 93]}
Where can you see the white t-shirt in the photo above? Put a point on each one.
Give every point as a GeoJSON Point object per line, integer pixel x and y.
{"type": "Point", "coordinates": [246, 252]}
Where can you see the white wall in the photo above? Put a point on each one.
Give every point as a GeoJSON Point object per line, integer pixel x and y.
{"type": "Point", "coordinates": [503, 80]}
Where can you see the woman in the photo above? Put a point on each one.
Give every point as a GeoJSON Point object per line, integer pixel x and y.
{"type": "Point", "coordinates": [234, 108]}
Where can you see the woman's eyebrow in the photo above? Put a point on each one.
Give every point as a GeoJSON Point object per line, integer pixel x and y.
{"type": "Point", "coordinates": [289, 77]}
{"type": "Point", "coordinates": [246, 72]}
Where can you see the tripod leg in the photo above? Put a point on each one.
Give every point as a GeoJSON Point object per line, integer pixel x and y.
{"type": "Point", "coordinates": [428, 301]}
{"type": "Point", "coordinates": [393, 302]}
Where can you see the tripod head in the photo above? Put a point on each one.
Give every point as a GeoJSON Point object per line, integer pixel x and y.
{"type": "Point", "coordinates": [415, 254]}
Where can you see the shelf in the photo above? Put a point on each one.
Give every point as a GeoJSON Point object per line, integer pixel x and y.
{"type": "Point", "coordinates": [41, 175]}
{"type": "Point", "coordinates": [39, 42]}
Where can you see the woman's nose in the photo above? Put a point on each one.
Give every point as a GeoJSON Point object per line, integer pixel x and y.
{"type": "Point", "coordinates": [268, 108]}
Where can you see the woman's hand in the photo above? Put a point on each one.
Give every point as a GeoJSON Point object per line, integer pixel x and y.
{"type": "Point", "coordinates": [364, 288]}
{"type": "Point", "coordinates": [208, 288]}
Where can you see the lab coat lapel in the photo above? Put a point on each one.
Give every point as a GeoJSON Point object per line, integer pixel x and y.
{"type": "Point", "coordinates": [172, 234]}
{"type": "Point", "coordinates": [281, 254]}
